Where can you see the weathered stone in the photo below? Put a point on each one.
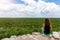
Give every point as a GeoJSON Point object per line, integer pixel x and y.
{"type": "Point", "coordinates": [5, 39]}
{"type": "Point", "coordinates": [34, 36]}
{"type": "Point", "coordinates": [13, 37]}
{"type": "Point", "coordinates": [56, 35]}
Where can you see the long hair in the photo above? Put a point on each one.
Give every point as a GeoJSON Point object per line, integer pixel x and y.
{"type": "Point", "coordinates": [47, 26]}
{"type": "Point", "coordinates": [47, 21]}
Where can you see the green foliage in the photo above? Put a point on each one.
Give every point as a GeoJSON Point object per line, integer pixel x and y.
{"type": "Point", "coordinates": [20, 26]}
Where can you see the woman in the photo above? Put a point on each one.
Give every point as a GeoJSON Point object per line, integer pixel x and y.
{"type": "Point", "coordinates": [46, 28]}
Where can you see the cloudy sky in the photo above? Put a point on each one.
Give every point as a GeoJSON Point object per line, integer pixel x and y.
{"type": "Point", "coordinates": [30, 8]}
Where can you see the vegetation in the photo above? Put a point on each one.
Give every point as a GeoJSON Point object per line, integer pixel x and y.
{"type": "Point", "coordinates": [20, 26]}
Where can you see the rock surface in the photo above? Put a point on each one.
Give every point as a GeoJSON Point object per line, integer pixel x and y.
{"type": "Point", "coordinates": [34, 36]}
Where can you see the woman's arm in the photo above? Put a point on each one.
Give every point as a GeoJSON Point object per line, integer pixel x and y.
{"type": "Point", "coordinates": [50, 27]}
{"type": "Point", "coordinates": [43, 25]}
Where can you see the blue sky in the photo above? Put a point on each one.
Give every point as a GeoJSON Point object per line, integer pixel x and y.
{"type": "Point", "coordinates": [22, 2]}
{"type": "Point", "coordinates": [19, 1]}
{"type": "Point", "coordinates": [55, 1]}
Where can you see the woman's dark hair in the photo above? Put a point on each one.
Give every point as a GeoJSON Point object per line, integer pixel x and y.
{"type": "Point", "coordinates": [47, 26]}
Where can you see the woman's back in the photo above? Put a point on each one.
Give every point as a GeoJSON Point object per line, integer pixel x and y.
{"type": "Point", "coordinates": [47, 29]}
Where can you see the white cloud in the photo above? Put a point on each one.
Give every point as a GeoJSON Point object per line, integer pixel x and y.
{"type": "Point", "coordinates": [33, 9]}
{"type": "Point", "coordinates": [5, 1]}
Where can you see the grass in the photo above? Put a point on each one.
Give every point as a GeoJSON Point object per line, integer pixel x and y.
{"type": "Point", "coordinates": [20, 26]}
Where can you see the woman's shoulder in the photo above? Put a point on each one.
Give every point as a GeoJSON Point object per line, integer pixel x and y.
{"type": "Point", "coordinates": [43, 25]}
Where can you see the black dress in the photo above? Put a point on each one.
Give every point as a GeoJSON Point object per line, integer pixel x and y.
{"type": "Point", "coordinates": [47, 29]}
